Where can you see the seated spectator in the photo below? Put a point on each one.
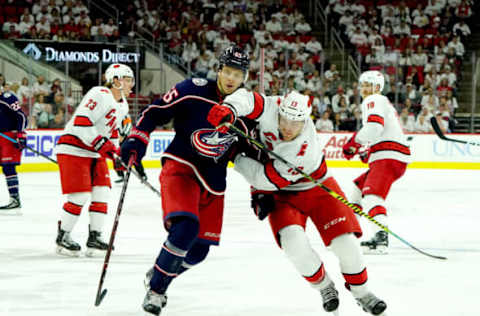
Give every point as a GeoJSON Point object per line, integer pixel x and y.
{"type": "Point", "coordinates": [422, 125]}
{"type": "Point", "coordinates": [443, 88]}
{"type": "Point", "coordinates": [41, 86]}
{"type": "Point", "coordinates": [464, 10]}
{"type": "Point", "coordinates": [313, 46]}
{"type": "Point", "coordinates": [302, 27]}
{"type": "Point", "coordinates": [42, 113]}
{"type": "Point", "coordinates": [402, 29]}
{"type": "Point", "coordinates": [25, 92]}
{"type": "Point", "coordinates": [452, 102]}
{"type": "Point", "coordinates": [430, 101]}
{"type": "Point", "coordinates": [58, 120]}
{"type": "Point", "coordinates": [228, 24]}
{"type": "Point", "coordinates": [25, 24]}
{"type": "Point", "coordinates": [421, 21]}
{"type": "Point", "coordinates": [407, 120]}
{"type": "Point", "coordinates": [12, 33]}
{"type": "Point", "coordinates": [358, 38]}
{"type": "Point", "coordinates": [461, 29]}
{"type": "Point", "coordinates": [458, 46]}
{"type": "Point", "coordinates": [324, 124]}
{"type": "Point", "coordinates": [273, 26]}
{"type": "Point", "coordinates": [443, 124]}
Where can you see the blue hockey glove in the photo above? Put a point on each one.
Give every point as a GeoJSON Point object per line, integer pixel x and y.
{"type": "Point", "coordinates": [135, 144]}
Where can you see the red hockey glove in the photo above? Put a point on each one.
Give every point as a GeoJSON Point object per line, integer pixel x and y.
{"type": "Point", "coordinates": [21, 140]}
{"type": "Point", "coordinates": [220, 114]}
{"type": "Point", "coordinates": [263, 203]}
{"type": "Point", "coordinates": [350, 149]}
{"type": "Point", "coordinates": [364, 155]}
{"type": "Point", "coordinates": [106, 148]}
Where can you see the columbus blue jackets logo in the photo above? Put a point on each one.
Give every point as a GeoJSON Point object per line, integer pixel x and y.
{"type": "Point", "coordinates": [211, 143]}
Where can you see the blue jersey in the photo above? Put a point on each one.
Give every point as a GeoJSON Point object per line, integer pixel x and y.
{"type": "Point", "coordinates": [196, 142]}
{"type": "Point", "coordinates": [12, 117]}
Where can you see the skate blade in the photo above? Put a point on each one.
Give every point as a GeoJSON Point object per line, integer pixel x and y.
{"type": "Point", "coordinates": [336, 312]}
{"type": "Point", "coordinates": [11, 212]}
{"type": "Point", "coordinates": [380, 250]}
{"type": "Point", "coordinates": [68, 253]}
{"type": "Point", "coordinates": [94, 252]}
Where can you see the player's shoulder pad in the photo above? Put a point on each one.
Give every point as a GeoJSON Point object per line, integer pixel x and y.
{"type": "Point", "coordinates": [8, 97]}
{"type": "Point", "coordinates": [377, 99]}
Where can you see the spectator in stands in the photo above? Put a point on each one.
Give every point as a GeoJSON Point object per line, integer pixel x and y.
{"type": "Point", "coordinates": [109, 28]}
{"type": "Point", "coordinates": [358, 38]}
{"type": "Point", "coordinates": [201, 65]}
{"type": "Point", "coordinates": [458, 46]}
{"type": "Point", "coordinates": [346, 20]}
{"type": "Point", "coordinates": [228, 24]}
{"type": "Point", "coordinates": [58, 120]}
{"type": "Point", "coordinates": [461, 29]}
{"type": "Point", "coordinates": [411, 93]}
{"type": "Point", "coordinates": [402, 30]}
{"type": "Point", "coordinates": [41, 86]}
{"type": "Point", "coordinates": [302, 27]}
{"type": "Point", "coordinates": [273, 26]}
{"type": "Point", "coordinates": [25, 24]}
{"type": "Point", "coordinates": [42, 113]}
{"type": "Point", "coordinates": [79, 7]}
{"type": "Point", "coordinates": [430, 101]}
{"type": "Point", "coordinates": [324, 124]}
{"type": "Point", "coordinates": [422, 125]}
{"type": "Point", "coordinates": [464, 10]}
{"type": "Point", "coordinates": [337, 97]}
{"type": "Point", "coordinates": [407, 121]}
{"type": "Point", "coordinates": [421, 21]}
{"type": "Point", "coordinates": [190, 50]}
{"type": "Point", "coordinates": [12, 33]}
{"type": "Point", "coordinates": [419, 58]}
{"type": "Point", "coordinates": [434, 7]}
{"type": "Point", "coordinates": [25, 92]}
{"type": "Point", "coordinates": [443, 88]}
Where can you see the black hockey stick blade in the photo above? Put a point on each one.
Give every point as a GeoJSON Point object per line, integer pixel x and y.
{"type": "Point", "coordinates": [438, 131]}
{"type": "Point", "coordinates": [99, 298]}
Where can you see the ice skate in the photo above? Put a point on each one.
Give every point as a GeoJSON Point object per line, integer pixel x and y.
{"type": "Point", "coordinates": [372, 304]}
{"type": "Point", "coordinates": [377, 245]}
{"type": "Point", "coordinates": [148, 277]}
{"type": "Point", "coordinates": [95, 245]}
{"type": "Point", "coordinates": [330, 298]}
{"type": "Point", "coordinates": [153, 303]}
{"type": "Point", "coordinates": [14, 205]}
{"type": "Point", "coordinates": [65, 245]}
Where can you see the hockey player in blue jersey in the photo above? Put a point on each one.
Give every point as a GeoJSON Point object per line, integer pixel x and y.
{"type": "Point", "coordinates": [12, 124]}
{"type": "Point", "coordinates": [193, 177]}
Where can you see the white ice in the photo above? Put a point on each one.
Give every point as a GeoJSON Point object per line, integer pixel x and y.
{"type": "Point", "coordinates": [247, 275]}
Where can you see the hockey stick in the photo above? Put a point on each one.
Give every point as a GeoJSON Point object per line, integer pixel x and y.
{"type": "Point", "coordinates": [337, 196]}
{"type": "Point", "coordinates": [101, 293]}
{"type": "Point", "coordinates": [28, 147]}
{"type": "Point", "coordinates": [142, 180]}
{"type": "Point", "coordinates": [440, 134]}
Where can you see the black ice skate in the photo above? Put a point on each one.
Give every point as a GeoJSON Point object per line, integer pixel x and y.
{"type": "Point", "coordinates": [154, 302]}
{"type": "Point", "coordinates": [13, 204]}
{"type": "Point", "coordinates": [377, 245]}
{"type": "Point", "coordinates": [95, 244]}
{"type": "Point", "coordinates": [330, 298]}
{"type": "Point", "coordinates": [65, 245]}
{"type": "Point", "coordinates": [372, 304]}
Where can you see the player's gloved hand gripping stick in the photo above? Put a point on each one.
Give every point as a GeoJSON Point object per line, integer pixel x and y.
{"type": "Point", "coordinates": [337, 196]}
{"type": "Point", "coordinates": [22, 143]}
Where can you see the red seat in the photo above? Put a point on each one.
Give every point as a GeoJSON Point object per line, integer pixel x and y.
{"type": "Point", "coordinates": [10, 10]}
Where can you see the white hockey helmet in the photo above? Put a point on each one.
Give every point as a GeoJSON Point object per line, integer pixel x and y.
{"type": "Point", "coordinates": [374, 77]}
{"type": "Point", "coordinates": [119, 71]}
{"type": "Point", "coordinates": [295, 106]}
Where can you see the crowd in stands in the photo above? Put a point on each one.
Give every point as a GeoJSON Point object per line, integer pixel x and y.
{"type": "Point", "coordinates": [46, 104]}
{"type": "Point", "coordinates": [417, 44]}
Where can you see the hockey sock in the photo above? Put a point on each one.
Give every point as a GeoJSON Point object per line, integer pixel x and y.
{"type": "Point", "coordinates": [195, 255]}
{"type": "Point", "coordinates": [348, 252]}
{"type": "Point", "coordinates": [299, 251]}
{"type": "Point", "coordinates": [375, 206]}
{"type": "Point", "coordinates": [72, 209]}
{"type": "Point", "coordinates": [181, 237]}
{"type": "Point", "coordinates": [12, 179]}
{"type": "Point", "coordinates": [98, 207]}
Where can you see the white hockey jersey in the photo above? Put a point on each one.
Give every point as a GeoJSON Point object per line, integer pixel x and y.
{"type": "Point", "coordinates": [98, 115]}
{"type": "Point", "coordinates": [304, 151]}
{"type": "Point", "coordinates": [381, 130]}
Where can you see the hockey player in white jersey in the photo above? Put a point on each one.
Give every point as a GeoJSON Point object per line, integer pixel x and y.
{"type": "Point", "coordinates": [387, 155]}
{"type": "Point", "coordinates": [289, 199]}
{"type": "Point", "coordinates": [89, 138]}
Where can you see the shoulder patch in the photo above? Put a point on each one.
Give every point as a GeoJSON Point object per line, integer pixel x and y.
{"type": "Point", "coordinates": [199, 81]}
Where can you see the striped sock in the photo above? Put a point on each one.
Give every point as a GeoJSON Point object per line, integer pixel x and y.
{"type": "Point", "coordinates": [166, 267]}
{"type": "Point", "coordinates": [12, 184]}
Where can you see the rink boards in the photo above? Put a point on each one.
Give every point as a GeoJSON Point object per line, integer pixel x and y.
{"type": "Point", "coordinates": [429, 152]}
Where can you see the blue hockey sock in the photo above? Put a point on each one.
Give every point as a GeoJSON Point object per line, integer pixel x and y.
{"type": "Point", "coordinates": [195, 255]}
{"type": "Point", "coordinates": [181, 237]}
{"type": "Point", "coordinates": [12, 179]}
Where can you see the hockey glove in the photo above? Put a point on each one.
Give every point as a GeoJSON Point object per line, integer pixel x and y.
{"type": "Point", "coordinates": [21, 140]}
{"type": "Point", "coordinates": [350, 149]}
{"type": "Point", "coordinates": [106, 148]}
{"type": "Point", "coordinates": [364, 155]}
{"type": "Point", "coordinates": [263, 203]}
{"type": "Point", "coordinates": [220, 114]}
{"type": "Point", "coordinates": [135, 144]}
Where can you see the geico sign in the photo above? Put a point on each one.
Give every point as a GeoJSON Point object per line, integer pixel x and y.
{"type": "Point", "coordinates": [90, 57]}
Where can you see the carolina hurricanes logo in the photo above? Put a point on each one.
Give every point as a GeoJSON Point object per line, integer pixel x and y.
{"type": "Point", "coordinates": [211, 143]}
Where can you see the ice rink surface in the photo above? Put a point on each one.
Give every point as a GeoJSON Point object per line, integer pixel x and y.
{"type": "Point", "coordinates": [436, 210]}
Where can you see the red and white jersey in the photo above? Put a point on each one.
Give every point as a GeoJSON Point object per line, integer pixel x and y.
{"type": "Point", "coordinates": [304, 151]}
{"type": "Point", "coordinates": [381, 130]}
{"type": "Point", "coordinates": [98, 115]}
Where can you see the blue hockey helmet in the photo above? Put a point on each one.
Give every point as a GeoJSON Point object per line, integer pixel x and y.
{"type": "Point", "coordinates": [235, 57]}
